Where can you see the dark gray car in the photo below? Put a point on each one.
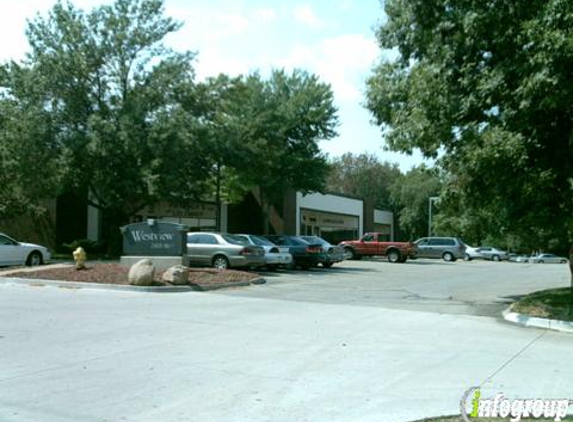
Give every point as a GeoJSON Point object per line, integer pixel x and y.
{"type": "Point", "coordinates": [446, 248]}
{"type": "Point", "coordinates": [332, 253]}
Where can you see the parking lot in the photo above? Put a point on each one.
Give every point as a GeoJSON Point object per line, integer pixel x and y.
{"type": "Point", "coordinates": [362, 341]}
{"type": "Point", "coordinates": [471, 288]}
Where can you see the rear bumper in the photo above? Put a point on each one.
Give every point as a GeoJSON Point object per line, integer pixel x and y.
{"type": "Point", "coordinates": [334, 257]}
{"type": "Point", "coordinates": [278, 259]}
{"type": "Point", "coordinates": [247, 261]}
{"type": "Point", "coordinates": [310, 260]}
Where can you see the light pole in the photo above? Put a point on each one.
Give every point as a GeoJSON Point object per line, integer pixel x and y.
{"type": "Point", "coordinates": [431, 199]}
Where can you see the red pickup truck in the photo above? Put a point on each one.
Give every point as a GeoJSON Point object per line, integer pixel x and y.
{"type": "Point", "coordinates": [369, 245]}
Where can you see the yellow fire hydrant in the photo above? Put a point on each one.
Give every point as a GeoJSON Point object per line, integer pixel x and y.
{"type": "Point", "coordinates": [80, 258]}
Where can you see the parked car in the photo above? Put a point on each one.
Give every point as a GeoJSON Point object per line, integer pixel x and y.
{"type": "Point", "coordinates": [275, 256]}
{"type": "Point", "coordinates": [548, 258]}
{"type": "Point", "coordinates": [447, 248]}
{"type": "Point", "coordinates": [375, 244]}
{"type": "Point", "coordinates": [333, 253]}
{"type": "Point", "coordinates": [492, 253]}
{"type": "Point", "coordinates": [305, 255]}
{"type": "Point", "coordinates": [222, 251]}
{"type": "Point", "coordinates": [13, 252]}
{"type": "Point", "coordinates": [472, 253]}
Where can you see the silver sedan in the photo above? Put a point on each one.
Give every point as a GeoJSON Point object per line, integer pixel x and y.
{"type": "Point", "coordinates": [275, 256]}
{"type": "Point", "coordinates": [222, 251]}
{"type": "Point", "coordinates": [548, 258]}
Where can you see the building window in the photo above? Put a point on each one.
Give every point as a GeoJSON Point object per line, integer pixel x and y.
{"type": "Point", "coordinates": [330, 226]}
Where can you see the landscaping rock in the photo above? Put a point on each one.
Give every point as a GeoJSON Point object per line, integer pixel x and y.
{"type": "Point", "coordinates": [177, 275]}
{"type": "Point", "coordinates": [141, 273]}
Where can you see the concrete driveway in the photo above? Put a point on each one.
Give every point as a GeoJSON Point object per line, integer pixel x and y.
{"type": "Point", "coordinates": [309, 346]}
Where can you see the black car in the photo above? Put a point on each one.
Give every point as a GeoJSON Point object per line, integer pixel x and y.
{"type": "Point", "coordinates": [305, 254]}
{"type": "Point", "coordinates": [333, 253]}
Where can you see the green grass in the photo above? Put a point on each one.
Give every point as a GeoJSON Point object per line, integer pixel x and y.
{"type": "Point", "coordinates": [459, 419]}
{"type": "Point", "coordinates": [552, 304]}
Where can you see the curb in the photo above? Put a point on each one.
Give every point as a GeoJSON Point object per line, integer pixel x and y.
{"type": "Point", "coordinates": [537, 322]}
{"type": "Point", "coordinates": [124, 287]}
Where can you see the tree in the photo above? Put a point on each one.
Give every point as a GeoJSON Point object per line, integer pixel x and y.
{"type": "Point", "coordinates": [363, 176]}
{"type": "Point", "coordinates": [30, 169]}
{"type": "Point", "coordinates": [410, 195]}
{"type": "Point", "coordinates": [222, 100]}
{"type": "Point", "coordinates": [282, 121]}
{"type": "Point", "coordinates": [487, 84]}
{"type": "Point", "coordinates": [123, 110]}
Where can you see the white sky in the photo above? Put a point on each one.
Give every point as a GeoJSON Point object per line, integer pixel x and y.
{"type": "Point", "coordinates": [331, 38]}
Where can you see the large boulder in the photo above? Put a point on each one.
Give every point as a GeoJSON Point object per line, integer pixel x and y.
{"type": "Point", "coordinates": [141, 273]}
{"type": "Point", "coordinates": [177, 275]}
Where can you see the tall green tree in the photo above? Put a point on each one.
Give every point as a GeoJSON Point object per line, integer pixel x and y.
{"type": "Point", "coordinates": [487, 84]}
{"type": "Point", "coordinates": [123, 108]}
{"type": "Point", "coordinates": [365, 176]}
{"type": "Point", "coordinates": [283, 119]}
{"type": "Point", "coordinates": [30, 167]}
{"type": "Point", "coordinates": [222, 99]}
{"type": "Point", "coordinates": [410, 196]}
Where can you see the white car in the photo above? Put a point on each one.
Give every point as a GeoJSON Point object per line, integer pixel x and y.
{"type": "Point", "coordinates": [493, 254]}
{"type": "Point", "coordinates": [275, 256]}
{"type": "Point", "coordinates": [13, 252]}
{"type": "Point", "coordinates": [548, 257]}
{"type": "Point", "coordinates": [472, 253]}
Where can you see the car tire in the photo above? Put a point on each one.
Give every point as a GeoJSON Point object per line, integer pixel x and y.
{"type": "Point", "coordinates": [467, 257]}
{"type": "Point", "coordinates": [34, 259]}
{"type": "Point", "coordinates": [220, 262]}
{"type": "Point", "coordinates": [495, 258]}
{"type": "Point", "coordinates": [563, 261]}
{"type": "Point", "coordinates": [327, 264]}
{"type": "Point", "coordinates": [350, 254]}
{"type": "Point", "coordinates": [541, 261]}
{"type": "Point", "coordinates": [448, 257]}
{"type": "Point", "coordinates": [394, 256]}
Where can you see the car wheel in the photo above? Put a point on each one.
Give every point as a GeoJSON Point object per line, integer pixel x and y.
{"type": "Point", "coordinates": [495, 258]}
{"type": "Point", "coordinates": [349, 253]}
{"type": "Point", "coordinates": [34, 259]}
{"type": "Point", "coordinates": [220, 262]}
{"type": "Point", "coordinates": [327, 264]}
{"type": "Point", "coordinates": [393, 256]}
{"type": "Point", "coordinates": [564, 261]}
{"type": "Point", "coordinates": [448, 257]}
{"type": "Point", "coordinates": [541, 261]}
{"type": "Point", "coordinates": [467, 257]}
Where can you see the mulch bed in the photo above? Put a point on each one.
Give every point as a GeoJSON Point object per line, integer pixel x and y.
{"type": "Point", "coordinates": [117, 274]}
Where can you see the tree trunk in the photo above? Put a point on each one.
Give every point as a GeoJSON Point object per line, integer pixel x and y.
{"type": "Point", "coordinates": [218, 199]}
{"type": "Point", "coordinates": [266, 218]}
{"type": "Point", "coordinates": [112, 235]}
{"type": "Point", "coordinates": [571, 284]}
{"type": "Point", "coordinates": [265, 208]}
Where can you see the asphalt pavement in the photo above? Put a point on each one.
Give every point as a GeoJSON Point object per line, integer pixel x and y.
{"type": "Point", "coordinates": [369, 341]}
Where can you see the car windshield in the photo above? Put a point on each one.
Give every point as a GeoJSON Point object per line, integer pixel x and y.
{"type": "Point", "coordinates": [314, 239]}
{"type": "Point", "coordinates": [261, 241]}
